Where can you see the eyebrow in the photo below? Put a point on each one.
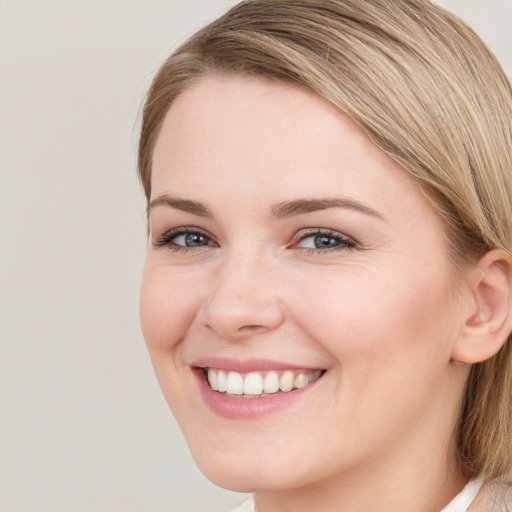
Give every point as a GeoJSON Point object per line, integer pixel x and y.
{"type": "Point", "coordinates": [185, 205]}
{"type": "Point", "coordinates": [279, 211]}
{"type": "Point", "coordinates": [303, 206]}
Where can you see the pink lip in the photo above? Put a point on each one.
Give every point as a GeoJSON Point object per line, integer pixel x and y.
{"type": "Point", "coordinates": [247, 408]}
{"type": "Point", "coordinates": [246, 365]}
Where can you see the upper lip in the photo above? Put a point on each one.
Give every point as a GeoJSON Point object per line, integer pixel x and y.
{"type": "Point", "coordinates": [247, 365]}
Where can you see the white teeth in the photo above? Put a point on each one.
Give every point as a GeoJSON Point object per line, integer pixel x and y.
{"type": "Point", "coordinates": [286, 381]}
{"type": "Point", "coordinates": [315, 375]}
{"type": "Point", "coordinates": [300, 381]}
{"type": "Point", "coordinates": [212, 379]}
{"type": "Point", "coordinates": [271, 382]}
{"type": "Point", "coordinates": [235, 384]}
{"type": "Point", "coordinates": [222, 379]}
{"type": "Point", "coordinates": [254, 384]}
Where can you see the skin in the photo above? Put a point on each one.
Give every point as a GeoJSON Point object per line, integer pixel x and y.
{"type": "Point", "coordinates": [381, 315]}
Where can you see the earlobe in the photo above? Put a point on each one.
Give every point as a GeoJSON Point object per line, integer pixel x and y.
{"type": "Point", "coordinates": [490, 320]}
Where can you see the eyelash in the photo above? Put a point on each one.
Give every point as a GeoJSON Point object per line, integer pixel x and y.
{"type": "Point", "coordinates": [344, 243]}
{"type": "Point", "coordinates": [166, 240]}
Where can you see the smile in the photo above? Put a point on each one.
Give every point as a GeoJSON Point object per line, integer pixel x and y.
{"type": "Point", "coordinates": [253, 388]}
{"type": "Point", "coordinates": [260, 383]}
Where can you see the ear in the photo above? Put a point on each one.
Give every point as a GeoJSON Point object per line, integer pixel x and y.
{"type": "Point", "coordinates": [489, 321]}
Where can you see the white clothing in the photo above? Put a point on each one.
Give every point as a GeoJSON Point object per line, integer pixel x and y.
{"type": "Point", "coordinates": [246, 506]}
{"type": "Point", "coordinates": [463, 500]}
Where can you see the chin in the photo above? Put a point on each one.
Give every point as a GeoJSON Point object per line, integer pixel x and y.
{"type": "Point", "coordinates": [250, 470]}
{"type": "Point", "coordinates": [248, 479]}
{"type": "Point", "coordinates": [240, 482]}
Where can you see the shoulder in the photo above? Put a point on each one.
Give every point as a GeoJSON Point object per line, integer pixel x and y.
{"type": "Point", "coordinates": [495, 496]}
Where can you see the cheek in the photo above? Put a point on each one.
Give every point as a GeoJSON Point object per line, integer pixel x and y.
{"type": "Point", "coordinates": [370, 317]}
{"type": "Point", "coordinates": [389, 342]}
{"type": "Point", "coordinates": [165, 310]}
{"type": "Point", "coordinates": [166, 313]}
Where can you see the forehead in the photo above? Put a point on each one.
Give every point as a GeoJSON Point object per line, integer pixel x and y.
{"type": "Point", "coordinates": [238, 109]}
{"type": "Point", "coordinates": [222, 117]}
{"type": "Point", "coordinates": [234, 136]}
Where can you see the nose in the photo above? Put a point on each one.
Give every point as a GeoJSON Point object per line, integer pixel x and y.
{"type": "Point", "coordinates": [244, 299]}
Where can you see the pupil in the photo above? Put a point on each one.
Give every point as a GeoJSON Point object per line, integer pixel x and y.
{"type": "Point", "coordinates": [321, 242]}
{"type": "Point", "coordinates": [195, 240]}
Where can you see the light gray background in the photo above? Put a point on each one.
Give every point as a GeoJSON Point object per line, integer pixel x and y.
{"type": "Point", "coordinates": [83, 426]}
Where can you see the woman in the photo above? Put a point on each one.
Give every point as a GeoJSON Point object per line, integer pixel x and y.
{"type": "Point", "coordinates": [327, 292]}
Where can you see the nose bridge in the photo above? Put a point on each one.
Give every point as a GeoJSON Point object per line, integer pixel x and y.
{"type": "Point", "coordinates": [244, 300]}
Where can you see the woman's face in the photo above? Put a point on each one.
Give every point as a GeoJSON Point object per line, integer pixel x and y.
{"type": "Point", "coordinates": [287, 250]}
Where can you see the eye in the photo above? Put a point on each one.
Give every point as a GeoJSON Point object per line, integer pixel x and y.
{"type": "Point", "coordinates": [190, 240]}
{"type": "Point", "coordinates": [184, 239]}
{"type": "Point", "coordinates": [324, 240]}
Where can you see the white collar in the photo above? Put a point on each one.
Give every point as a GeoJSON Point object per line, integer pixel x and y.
{"type": "Point", "coordinates": [463, 500]}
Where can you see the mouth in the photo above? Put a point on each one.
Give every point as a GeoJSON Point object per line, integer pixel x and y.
{"type": "Point", "coordinates": [259, 384]}
{"type": "Point", "coordinates": [251, 389]}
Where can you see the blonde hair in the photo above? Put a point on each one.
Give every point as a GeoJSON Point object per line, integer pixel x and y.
{"type": "Point", "coordinates": [428, 92]}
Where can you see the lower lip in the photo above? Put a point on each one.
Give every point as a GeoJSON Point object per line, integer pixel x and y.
{"type": "Point", "coordinates": [247, 408]}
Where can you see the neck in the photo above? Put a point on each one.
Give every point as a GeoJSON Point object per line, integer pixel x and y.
{"type": "Point", "coordinates": [418, 489]}
{"type": "Point", "coordinates": [419, 472]}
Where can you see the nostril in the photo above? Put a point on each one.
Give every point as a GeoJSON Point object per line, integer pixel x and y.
{"type": "Point", "coordinates": [234, 319]}
{"type": "Point", "coordinates": [244, 329]}
{"type": "Point", "coordinates": [251, 328]}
